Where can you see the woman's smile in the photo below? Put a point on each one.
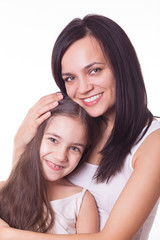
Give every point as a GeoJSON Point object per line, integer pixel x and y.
{"type": "Point", "coordinates": [90, 101]}
{"type": "Point", "coordinates": [88, 77]}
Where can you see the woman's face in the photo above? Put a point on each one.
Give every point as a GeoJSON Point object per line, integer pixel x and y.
{"type": "Point", "coordinates": [88, 77]}
{"type": "Point", "coordinates": [62, 146]}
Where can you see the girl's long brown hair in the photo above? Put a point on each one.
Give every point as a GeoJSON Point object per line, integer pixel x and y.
{"type": "Point", "coordinates": [23, 198]}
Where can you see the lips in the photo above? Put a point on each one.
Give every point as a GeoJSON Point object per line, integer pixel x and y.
{"type": "Point", "coordinates": [53, 166]}
{"type": "Point", "coordinates": [92, 100]}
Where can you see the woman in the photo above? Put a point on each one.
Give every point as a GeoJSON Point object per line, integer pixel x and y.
{"type": "Point", "coordinates": [94, 62]}
{"type": "Point", "coordinates": [37, 195]}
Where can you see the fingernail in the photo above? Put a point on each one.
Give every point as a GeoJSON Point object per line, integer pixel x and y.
{"type": "Point", "coordinates": [59, 95]}
{"type": "Point", "coordinates": [48, 113]}
{"type": "Point", "coordinates": [55, 103]}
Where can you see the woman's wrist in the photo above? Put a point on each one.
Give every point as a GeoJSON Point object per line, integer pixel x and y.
{"type": "Point", "coordinates": [8, 233]}
{"type": "Point", "coordinates": [17, 234]}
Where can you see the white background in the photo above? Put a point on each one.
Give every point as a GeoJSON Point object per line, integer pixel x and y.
{"type": "Point", "coordinates": [28, 29]}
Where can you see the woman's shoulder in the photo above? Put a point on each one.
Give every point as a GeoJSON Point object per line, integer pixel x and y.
{"type": "Point", "coordinates": [152, 139]}
{"type": "Point", "coordinates": [152, 130]}
{"type": "Point", "coordinates": [149, 149]}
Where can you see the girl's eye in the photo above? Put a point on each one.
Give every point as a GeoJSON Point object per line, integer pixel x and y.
{"type": "Point", "coordinates": [68, 79]}
{"type": "Point", "coordinates": [95, 70]}
{"type": "Point", "coordinates": [53, 140]}
{"type": "Point", "coordinates": [76, 149]}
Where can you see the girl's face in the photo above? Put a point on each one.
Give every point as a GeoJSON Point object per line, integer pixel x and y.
{"type": "Point", "coordinates": [88, 77]}
{"type": "Point", "coordinates": [62, 146]}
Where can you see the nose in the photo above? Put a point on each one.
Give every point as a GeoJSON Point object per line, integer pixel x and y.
{"type": "Point", "coordinates": [85, 85]}
{"type": "Point", "coordinates": [61, 155]}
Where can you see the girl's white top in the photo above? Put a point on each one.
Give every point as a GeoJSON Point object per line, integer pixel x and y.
{"type": "Point", "coordinates": [66, 211]}
{"type": "Point", "coordinates": [106, 194]}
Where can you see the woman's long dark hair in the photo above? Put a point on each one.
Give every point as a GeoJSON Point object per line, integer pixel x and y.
{"type": "Point", "coordinates": [131, 109]}
{"type": "Point", "coordinates": [23, 198]}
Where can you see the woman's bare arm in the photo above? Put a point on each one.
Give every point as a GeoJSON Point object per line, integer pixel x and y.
{"type": "Point", "coordinates": [140, 193]}
{"type": "Point", "coordinates": [35, 116]}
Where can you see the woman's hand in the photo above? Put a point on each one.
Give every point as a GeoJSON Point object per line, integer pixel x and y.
{"type": "Point", "coordinates": [35, 116]}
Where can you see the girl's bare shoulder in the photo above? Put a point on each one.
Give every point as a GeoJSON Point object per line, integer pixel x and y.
{"type": "Point", "coordinates": [71, 188]}
{"type": "Point", "coordinates": [64, 189]}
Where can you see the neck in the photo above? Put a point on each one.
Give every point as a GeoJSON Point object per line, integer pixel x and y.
{"type": "Point", "coordinates": [95, 156]}
{"type": "Point", "coordinates": [53, 187]}
{"type": "Point", "coordinates": [110, 115]}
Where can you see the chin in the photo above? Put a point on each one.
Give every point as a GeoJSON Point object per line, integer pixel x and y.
{"type": "Point", "coordinates": [95, 112]}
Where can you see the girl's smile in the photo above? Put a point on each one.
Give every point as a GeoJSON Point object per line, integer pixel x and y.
{"type": "Point", "coordinates": [53, 166]}
{"type": "Point", "coordinates": [62, 146]}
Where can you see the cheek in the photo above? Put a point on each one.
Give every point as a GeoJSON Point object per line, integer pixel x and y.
{"type": "Point", "coordinates": [43, 150]}
{"type": "Point", "coordinates": [107, 82]}
{"type": "Point", "coordinates": [72, 94]}
{"type": "Point", "coordinates": [75, 161]}
{"type": "Point", "coordinates": [70, 91]}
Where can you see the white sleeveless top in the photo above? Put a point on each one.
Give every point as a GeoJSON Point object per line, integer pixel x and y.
{"type": "Point", "coordinates": [66, 211]}
{"type": "Point", "coordinates": [106, 194]}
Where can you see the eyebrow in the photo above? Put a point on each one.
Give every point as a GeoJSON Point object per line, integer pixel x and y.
{"type": "Point", "coordinates": [94, 63]}
{"type": "Point", "coordinates": [86, 67]}
{"type": "Point", "coordinates": [57, 136]}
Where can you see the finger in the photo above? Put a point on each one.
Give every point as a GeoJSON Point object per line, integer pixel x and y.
{"type": "Point", "coordinates": [59, 95]}
{"type": "Point", "coordinates": [38, 112]}
{"type": "Point", "coordinates": [43, 118]}
{"type": "Point", "coordinates": [47, 114]}
{"type": "Point", "coordinates": [50, 98]}
{"type": "Point", "coordinates": [45, 104]}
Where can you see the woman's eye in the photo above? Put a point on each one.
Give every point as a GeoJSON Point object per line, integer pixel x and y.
{"type": "Point", "coordinates": [95, 70]}
{"type": "Point", "coordinates": [68, 79]}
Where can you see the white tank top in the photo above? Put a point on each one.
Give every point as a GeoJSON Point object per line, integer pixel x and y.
{"type": "Point", "coordinates": [106, 194]}
{"type": "Point", "coordinates": [66, 211]}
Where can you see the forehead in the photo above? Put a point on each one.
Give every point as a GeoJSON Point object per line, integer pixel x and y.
{"type": "Point", "coordinates": [65, 126]}
{"type": "Point", "coordinates": [82, 52]}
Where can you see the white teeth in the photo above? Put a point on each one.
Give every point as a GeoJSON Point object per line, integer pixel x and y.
{"type": "Point", "coordinates": [53, 165]}
{"type": "Point", "coordinates": [91, 99]}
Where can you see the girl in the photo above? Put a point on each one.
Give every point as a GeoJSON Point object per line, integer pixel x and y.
{"type": "Point", "coordinates": [37, 195]}
{"type": "Point", "coordinates": [94, 62]}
